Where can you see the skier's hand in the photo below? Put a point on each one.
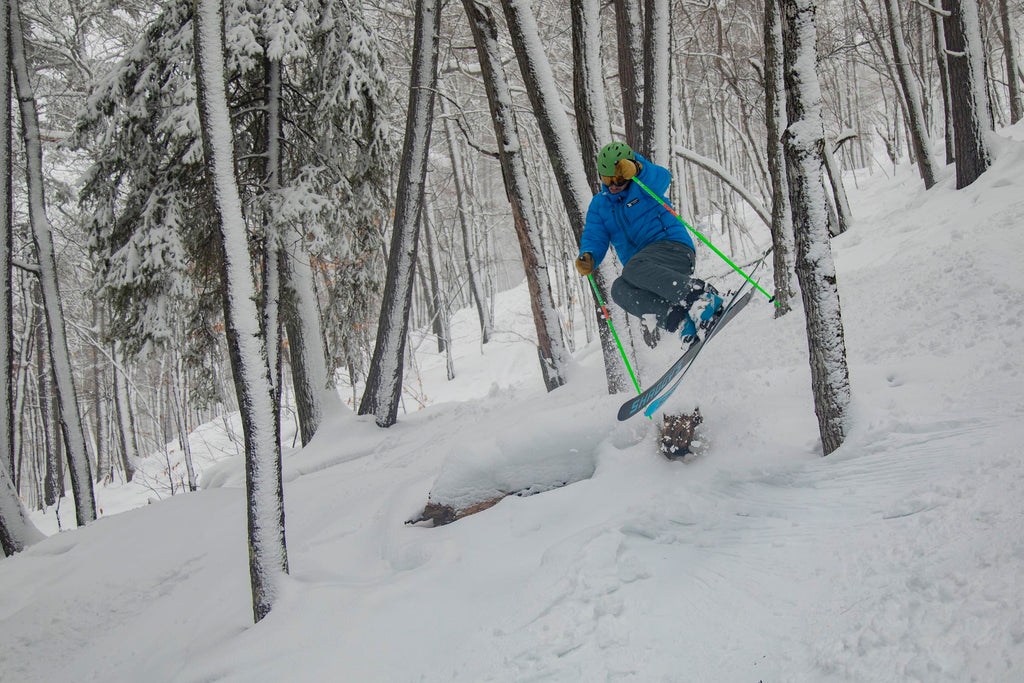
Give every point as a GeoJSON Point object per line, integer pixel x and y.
{"type": "Point", "coordinates": [585, 263]}
{"type": "Point", "coordinates": [626, 169]}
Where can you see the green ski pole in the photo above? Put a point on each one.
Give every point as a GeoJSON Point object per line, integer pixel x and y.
{"type": "Point", "coordinates": [703, 239]}
{"type": "Point", "coordinates": [608, 319]}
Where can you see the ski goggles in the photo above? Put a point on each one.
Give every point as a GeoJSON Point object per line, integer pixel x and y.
{"type": "Point", "coordinates": [614, 180]}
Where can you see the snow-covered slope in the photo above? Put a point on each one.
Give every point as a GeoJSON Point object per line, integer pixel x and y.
{"type": "Point", "coordinates": [898, 558]}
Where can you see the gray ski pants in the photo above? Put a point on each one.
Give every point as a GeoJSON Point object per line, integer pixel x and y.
{"type": "Point", "coordinates": [655, 280]}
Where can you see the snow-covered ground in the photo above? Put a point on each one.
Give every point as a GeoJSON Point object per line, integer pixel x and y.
{"type": "Point", "coordinates": [898, 558]}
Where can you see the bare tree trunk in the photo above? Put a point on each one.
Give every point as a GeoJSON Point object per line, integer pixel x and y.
{"type": "Point", "coordinates": [550, 346]}
{"type": "Point", "coordinates": [384, 381]}
{"type": "Point", "coordinates": [844, 216]}
{"type": "Point", "coordinates": [775, 120]}
{"type": "Point", "coordinates": [268, 556]}
{"type": "Point", "coordinates": [911, 94]}
{"type": "Point", "coordinates": [656, 81]}
{"type": "Point", "coordinates": [939, 38]}
{"type": "Point", "coordinates": [972, 117]}
{"type": "Point", "coordinates": [805, 140]}
{"type": "Point", "coordinates": [594, 129]}
{"type": "Point", "coordinates": [42, 233]}
{"type": "Point", "coordinates": [629, 29]}
{"type": "Point", "coordinates": [16, 531]}
{"type": "Point", "coordinates": [125, 416]}
{"type": "Point", "coordinates": [1010, 55]}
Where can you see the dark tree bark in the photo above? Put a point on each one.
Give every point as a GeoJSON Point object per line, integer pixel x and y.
{"type": "Point", "coordinates": [971, 108]}
{"type": "Point", "coordinates": [1010, 55]}
{"type": "Point", "coordinates": [629, 30]}
{"type": "Point", "coordinates": [939, 38]}
{"type": "Point", "coordinates": [804, 140]}
{"type": "Point", "coordinates": [657, 23]}
{"type": "Point", "coordinates": [775, 120]}
{"type": "Point", "coordinates": [384, 380]}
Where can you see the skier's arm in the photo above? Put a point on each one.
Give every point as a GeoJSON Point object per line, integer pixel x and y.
{"type": "Point", "coordinates": [595, 236]}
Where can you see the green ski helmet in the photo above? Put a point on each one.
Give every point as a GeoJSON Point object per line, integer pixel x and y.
{"type": "Point", "coordinates": [610, 155]}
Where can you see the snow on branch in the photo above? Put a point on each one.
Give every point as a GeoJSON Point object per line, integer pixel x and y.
{"type": "Point", "coordinates": [937, 10]}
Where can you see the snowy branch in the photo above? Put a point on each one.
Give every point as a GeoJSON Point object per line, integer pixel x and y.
{"type": "Point", "coordinates": [936, 10]}
{"type": "Point", "coordinates": [28, 267]}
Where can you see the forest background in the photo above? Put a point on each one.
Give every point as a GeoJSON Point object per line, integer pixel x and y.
{"type": "Point", "coordinates": [375, 153]}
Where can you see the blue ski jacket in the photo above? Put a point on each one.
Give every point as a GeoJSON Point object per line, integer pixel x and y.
{"type": "Point", "coordinates": [631, 219]}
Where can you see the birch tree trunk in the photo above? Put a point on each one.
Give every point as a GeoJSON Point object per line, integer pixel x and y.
{"type": "Point", "coordinates": [384, 380]}
{"type": "Point", "coordinates": [804, 140]}
{"type": "Point", "coordinates": [42, 235]}
{"type": "Point", "coordinates": [911, 94]}
{"type": "Point", "coordinates": [1010, 56]}
{"type": "Point", "coordinates": [268, 557]}
{"type": "Point", "coordinates": [550, 345]}
{"type": "Point", "coordinates": [16, 531]}
{"type": "Point", "coordinates": [775, 120]}
{"type": "Point", "coordinates": [656, 81]}
{"type": "Point", "coordinates": [629, 29]}
{"type": "Point", "coordinates": [965, 54]}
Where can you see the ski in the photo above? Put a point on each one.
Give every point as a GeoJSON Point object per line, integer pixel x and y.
{"type": "Point", "coordinates": [633, 406]}
{"type": "Point", "coordinates": [726, 317]}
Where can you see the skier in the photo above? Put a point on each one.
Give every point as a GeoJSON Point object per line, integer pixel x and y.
{"type": "Point", "coordinates": [655, 249]}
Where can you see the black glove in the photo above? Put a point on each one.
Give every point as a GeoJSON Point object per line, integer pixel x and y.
{"type": "Point", "coordinates": [585, 263]}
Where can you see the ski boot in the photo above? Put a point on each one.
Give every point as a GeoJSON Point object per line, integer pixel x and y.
{"type": "Point", "coordinates": [705, 310]}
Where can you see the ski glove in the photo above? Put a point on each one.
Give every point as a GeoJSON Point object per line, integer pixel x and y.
{"type": "Point", "coordinates": [626, 169]}
{"type": "Point", "coordinates": [585, 263]}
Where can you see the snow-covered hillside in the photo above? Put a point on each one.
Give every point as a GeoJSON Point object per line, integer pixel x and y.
{"type": "Point", "coordinates": [898, 558]}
